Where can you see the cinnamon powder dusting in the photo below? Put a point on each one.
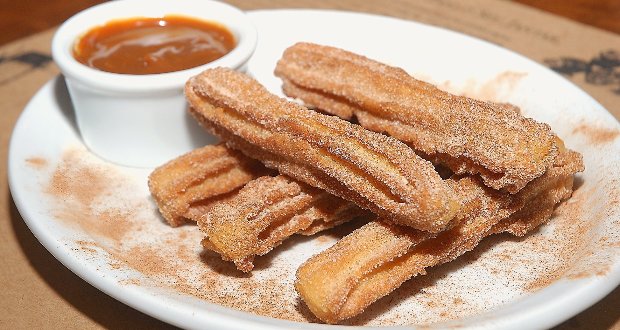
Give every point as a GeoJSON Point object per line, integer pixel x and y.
{"type": "Point", "coordinates": [113, 207]}
{"type": "Point", "coordinates": [87, 191]}
{"type": "Point", "coordinates": [596, 135]}
{"type": "Point", "coordinates": [37, 162]}
{"type": "Point", "coordinates": [494, 90]}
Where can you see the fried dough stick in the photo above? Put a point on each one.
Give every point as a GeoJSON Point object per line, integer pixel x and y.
{"type": "Point", "coordinates": [342, 281]}
{"type": "Point", "coordinates": [374, 171]}
{"type": "Point", "coordinates": [466, 135]}
{"type": "Point", "coordinates": [201, 175]}
{"type": "Point", "coordinates": [266, 211]}
{"type": "Point", "coordinates": [204, 186]}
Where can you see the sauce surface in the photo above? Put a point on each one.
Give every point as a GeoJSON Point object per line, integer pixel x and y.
{"type": "Point", "coordinates": [147, 45]}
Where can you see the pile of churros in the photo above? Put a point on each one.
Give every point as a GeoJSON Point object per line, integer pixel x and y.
{"type": "Point", "coordinates": [432, 173]}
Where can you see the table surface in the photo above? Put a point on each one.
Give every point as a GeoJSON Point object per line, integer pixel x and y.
{"type": "Point", "coordinates": [19, 19]}
{"type": "Point", "coordinates": [38, 291]}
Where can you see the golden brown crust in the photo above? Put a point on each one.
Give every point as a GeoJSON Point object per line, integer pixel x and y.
{"type": "Point", "coordinates": [374, 171]}
{"type": "Point", "coordinates": [342, 281]}
{"type": "Point", "coordinates": [266, 211]}
{"type": "Point", "coordinates": [550, 189]}
{"type": "Point", "coordinates": [198, 176]}
{"type": "Point", "coordinates": [329, 215]}
{"type": "Point", "coordinates": [469, 136]}
{"type": "Point", "coordinates": [325, 280]}
{"type": "Point", "coordinates": [443, 219]}
{"type": "Point", "coordinates": [208, 183]}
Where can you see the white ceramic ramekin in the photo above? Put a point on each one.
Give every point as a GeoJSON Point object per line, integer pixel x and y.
{"type": "Point", "coordinates": [141, 120]}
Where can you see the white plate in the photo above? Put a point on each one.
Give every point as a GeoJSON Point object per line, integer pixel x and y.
{"type": "Point", "coordinates": [98, 219]}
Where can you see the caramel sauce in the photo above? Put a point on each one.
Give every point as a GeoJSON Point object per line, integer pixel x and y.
{"type": "Point", "coordinates": [146, 45]}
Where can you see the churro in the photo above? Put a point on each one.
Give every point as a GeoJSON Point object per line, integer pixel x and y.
{"type": "Point", "coordinates": [554, 186]}
{"type": "Point", "coordinates": [469, 136]}
{"type": "Point", "coordinates": [266, 211]}
{"type": "Point", "coordinates": [374, 260]}
{"type": "Point", "coordinates": [205, 185]}
{"type": "Point", "coordinates": [376, 172]}
{"type": "Point", "coordinates": [507, 173]}
{"type": "Point", "coordinates": [200, 176]}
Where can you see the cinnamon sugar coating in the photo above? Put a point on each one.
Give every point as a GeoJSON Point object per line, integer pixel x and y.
{"type": "Point", "coordinates": [544, 193]}
{"type": "Point", "coordinates": [511, 173]}
{"type": "Point", "coordinates": [266, 211]}
{"type": "Point", "coordinates": [467, 135]}
{"type": "Point", "coordinates": [205, 185]}
{"type": "Point", "coordinates": [372, 170]}
{"type": "Point", "coordinates": [200, 175]}
{"type": "Point", "coordinates": [374, 260]}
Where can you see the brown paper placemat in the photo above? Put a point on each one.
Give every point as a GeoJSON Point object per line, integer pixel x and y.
{"type": "Point", "coordinates": [38, 291]}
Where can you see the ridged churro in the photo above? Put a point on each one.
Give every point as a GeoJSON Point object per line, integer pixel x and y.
{"type": "Point", "coordinates": [467, 135]}
{"type": "Point", "coordinates": [266, 211]}
{"type": "Point", "coordinates": [368, 264]}
{"type": "Point", "coordinates": [372, 170]}
{"type": "Point", "coordinates": [199, 176]}
{"type": "Point", "coordinates": [506, 173]}
{"type": "Point", "coordinates": [204, 185]}
{"type": "Point", "coordinates": [544, 193]}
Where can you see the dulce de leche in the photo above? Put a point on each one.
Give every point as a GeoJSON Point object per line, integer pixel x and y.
{"type": "Point", "coordinates": [147, 45]}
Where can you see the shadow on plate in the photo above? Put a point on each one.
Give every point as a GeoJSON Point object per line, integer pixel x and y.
{"type": "Point", "coordinates": [63, 101]}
